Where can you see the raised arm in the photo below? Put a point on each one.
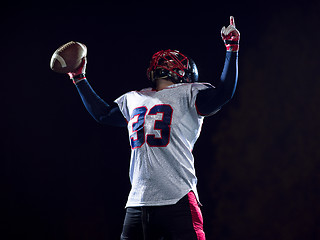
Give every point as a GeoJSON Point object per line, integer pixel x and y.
{"type": "Point", "coordinates": [97, 107]}
{"type": "Point", "coordinates": [212, 99]}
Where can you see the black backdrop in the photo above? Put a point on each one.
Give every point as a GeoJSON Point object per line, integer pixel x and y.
{"type": "Point", "coordinates": [257, 160]}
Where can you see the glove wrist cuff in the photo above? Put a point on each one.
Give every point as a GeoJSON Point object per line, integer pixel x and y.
{"type": "Point", "coordinates": [78, 78]}
{"type": "Point", "coordinates": [232, 46]}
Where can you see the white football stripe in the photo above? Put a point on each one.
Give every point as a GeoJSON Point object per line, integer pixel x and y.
{"type": "Point", "coordinates": [61, 61]}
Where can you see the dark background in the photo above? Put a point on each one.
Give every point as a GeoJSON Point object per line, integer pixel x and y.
{"type": "Point", "coordinates": [257, 160]}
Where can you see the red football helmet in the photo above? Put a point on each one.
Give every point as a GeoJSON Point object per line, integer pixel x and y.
{"type": "Point", "coordinates": [173, 65]}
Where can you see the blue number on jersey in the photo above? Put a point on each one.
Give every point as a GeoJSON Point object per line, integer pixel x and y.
{"type": "Point", "coordinates": [138, 127]}
{"type": "Point", "coordinates": [162, 125]}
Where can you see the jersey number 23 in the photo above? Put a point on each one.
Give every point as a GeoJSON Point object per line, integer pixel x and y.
{"type": "Point", "coordinates": [163, 125]}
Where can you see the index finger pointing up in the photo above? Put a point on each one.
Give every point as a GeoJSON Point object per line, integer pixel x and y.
{"type": "Point", "coordinates": [232, 22]}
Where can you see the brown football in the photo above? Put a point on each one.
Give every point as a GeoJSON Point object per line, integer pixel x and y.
{"type": "Point", "coordinates": [68, 57]}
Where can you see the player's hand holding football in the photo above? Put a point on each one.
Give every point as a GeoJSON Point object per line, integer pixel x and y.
{"type": "Point", "coordinates": [70, 58]}
{"type": "Point", "coordinates": [79, 74]}
{"type": "Point", "coordinates": [231, 36]}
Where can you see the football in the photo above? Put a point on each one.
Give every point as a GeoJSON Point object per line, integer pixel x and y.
{"type": "Point", "coordinates": [68, 57]}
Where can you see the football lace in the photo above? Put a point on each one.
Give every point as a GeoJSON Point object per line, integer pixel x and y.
{"type": "Point", "coordinates": [63, 47]}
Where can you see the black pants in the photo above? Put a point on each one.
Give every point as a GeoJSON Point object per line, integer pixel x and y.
{"type": "Point", "coordinates": [181, 221]}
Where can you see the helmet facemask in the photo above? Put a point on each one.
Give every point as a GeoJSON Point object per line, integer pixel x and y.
{"type": "Point", "coordinates": [172, 65]}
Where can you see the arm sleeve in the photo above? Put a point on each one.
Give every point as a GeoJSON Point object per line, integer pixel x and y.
{"type": "Point", "coordinates": [98, 108]}
{"type": "Point", "coordinates": [210, 100]}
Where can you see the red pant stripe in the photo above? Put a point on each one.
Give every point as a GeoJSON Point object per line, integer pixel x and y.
{"type": "Point", "coordinates": [196, 214]}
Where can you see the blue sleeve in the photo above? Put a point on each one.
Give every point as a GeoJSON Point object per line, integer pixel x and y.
{"type": "Point", "coordinates": [212, 99]}
{"type": "Point", "coordinates": [98, 108]}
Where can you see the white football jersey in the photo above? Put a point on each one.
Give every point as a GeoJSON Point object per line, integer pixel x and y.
{"type": "Point", "coordinates": [163, 127]}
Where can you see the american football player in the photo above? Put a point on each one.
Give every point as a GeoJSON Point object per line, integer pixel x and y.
{"type": "Point", "coordinates": [164, 122]}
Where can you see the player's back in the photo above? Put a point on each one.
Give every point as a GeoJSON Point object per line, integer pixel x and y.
{"type": "Point", "coordinates": [163, 127]}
